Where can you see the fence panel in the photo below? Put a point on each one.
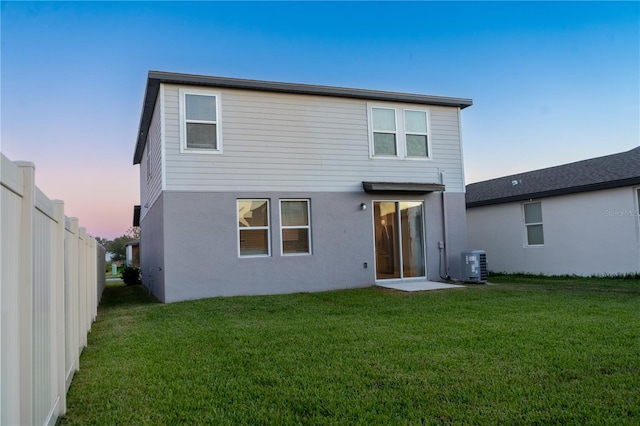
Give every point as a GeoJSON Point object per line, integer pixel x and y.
{"type": "Point", "coordinates": [72, 354]}
{"type": "Point", "coordinates": [52, 277]}
{"type": "Point", "coordinates": [10, 235]}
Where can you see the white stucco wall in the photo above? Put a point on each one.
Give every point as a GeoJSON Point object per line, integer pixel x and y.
{"type": "Point", "coordinates": [589, 233]}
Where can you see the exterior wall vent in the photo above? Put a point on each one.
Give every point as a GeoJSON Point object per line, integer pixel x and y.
{"type": "Point", "coordinates": [474, 266]}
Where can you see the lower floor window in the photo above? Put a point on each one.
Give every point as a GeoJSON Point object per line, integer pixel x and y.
{"type": "Point", "coordinates": [533, 224]}
{"type": "Point", "coordinates": [253, 228]}
{"type": "Point", "coordinates": [295, 227]}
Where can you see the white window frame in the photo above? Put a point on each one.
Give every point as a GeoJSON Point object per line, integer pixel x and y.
{"type": "Point", "coordinates": [373, 131]}
{"type": "Point", "coordinates": [427, 134]}
{"type": "Point", "coordinates": [398, 224]}
{"type": "Point", "coordinates": [526, 225]}
{"type": "Point", "coordinates": [183, 121]}
{"type": "Point", "coordinates": [401, 132]}
{"type": "Point", "coordinates": [636, 190]}
{"type": "Point", "coordinates": [256, 228]}
{"type": "Point", "coordinates": [307, 227]}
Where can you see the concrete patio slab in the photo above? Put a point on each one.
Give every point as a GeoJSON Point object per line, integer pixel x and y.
{"type": "Point", "coordinates": [418, 285]}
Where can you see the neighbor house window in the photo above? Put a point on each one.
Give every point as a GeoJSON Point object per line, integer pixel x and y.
{"type": "Point", "coordinates": [295, 226]}
{"type": "Point", "coordinates": [399, 133]}
{"type": "Point", "coordinates": [253, 228]}
{"type": "Point", "coordinates": [533, 223]}
{"type": "Point", "coordinates": [200, 112]}
{"type": "Point", "coordinates": [637, 204]}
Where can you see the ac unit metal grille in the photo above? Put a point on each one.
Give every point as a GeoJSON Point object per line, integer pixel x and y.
{"type": "Point", "coordinates": [484, 274]}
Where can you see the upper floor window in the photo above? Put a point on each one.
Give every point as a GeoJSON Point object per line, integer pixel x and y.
{"type": "Point", "coordinates": [533, 223]}
{"type": "Point", "coordinates": [417, 138]}
{"type": "Point", "coordinates": [398, 132]}
{"type": "Point", "coordinates": [383, 122]}
{"type": "Point", "coordinates": [200, 121]}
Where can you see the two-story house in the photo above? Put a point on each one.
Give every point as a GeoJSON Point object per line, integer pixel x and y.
{"type": "Point", "coordinates": [257, 187]}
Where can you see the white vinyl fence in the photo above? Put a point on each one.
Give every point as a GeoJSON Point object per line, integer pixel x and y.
{"type": "Point", "coordinates": [52, 277]}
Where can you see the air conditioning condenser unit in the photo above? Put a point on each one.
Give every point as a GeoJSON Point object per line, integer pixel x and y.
{"type": "Point", "coordinates": [474, 266]}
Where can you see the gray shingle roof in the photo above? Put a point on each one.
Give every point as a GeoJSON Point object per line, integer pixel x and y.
{"type": "Point", "coordinates": [611, 171]}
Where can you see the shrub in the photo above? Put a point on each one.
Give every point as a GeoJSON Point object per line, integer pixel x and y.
{"type": "Point", "coordinates": [130, 275]}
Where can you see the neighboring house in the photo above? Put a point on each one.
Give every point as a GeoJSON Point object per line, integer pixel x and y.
{"type": "Point", "coordinates": [255, 187]}
{"type": "Point", "coordinates": [132, 251]}
{"type": "Point", "coordinates": [580, 218]}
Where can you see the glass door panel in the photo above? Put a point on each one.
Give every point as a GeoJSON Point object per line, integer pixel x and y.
{"type": "Point", "coordinates": [412, 239]}
{"type": "Point", "coordinates": [399, 239]}
{"type": "Point", "coordinates": [386, 235]}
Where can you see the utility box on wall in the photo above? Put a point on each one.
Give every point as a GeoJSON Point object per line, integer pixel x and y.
{"type": "Point", "coordinates": [474, 266]}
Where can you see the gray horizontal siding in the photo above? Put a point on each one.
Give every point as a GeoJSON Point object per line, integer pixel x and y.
{"type": "Point", "coordinates": [287, 142]}
{"type": "Point", "coordinates": [150, 188]}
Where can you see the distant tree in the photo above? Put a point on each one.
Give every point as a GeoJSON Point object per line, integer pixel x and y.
{"type": "Point", "coordinates": [104, 242]}
{"type": "Point", "coordinates": [118, 246]}
{"type": "Point", "coordinates": [133, 233]}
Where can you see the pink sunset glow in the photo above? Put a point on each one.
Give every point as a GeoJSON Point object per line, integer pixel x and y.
{"type": "Point", "coordinates": [552, 82]}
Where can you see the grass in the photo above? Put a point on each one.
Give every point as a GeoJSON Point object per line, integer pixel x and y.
{"type": "Point", "coordinates": [528, 350]}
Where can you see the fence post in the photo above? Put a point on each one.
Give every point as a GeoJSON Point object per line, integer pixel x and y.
{"type": "Point", "coordinates": [25, 296]}
{"type": "Point", "coordinates": [72, 300]}
{"type": "Point", "coordinates": [93, 273]}
{"type": "Point", "coordinates": [82, 289]}
{"type": "Point", "coordinates": [60, 308]}
{"type": "Point", "coordinates": [12, 190]}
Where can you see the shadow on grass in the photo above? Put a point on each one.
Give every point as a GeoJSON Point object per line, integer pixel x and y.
{"type": "Point", "coordinates": [117, 296]}
{"type": "Point", "coordinates": [623, 284]}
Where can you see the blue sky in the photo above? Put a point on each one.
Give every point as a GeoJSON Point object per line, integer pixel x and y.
{"type": "Point", "coordinates": [552, 82]}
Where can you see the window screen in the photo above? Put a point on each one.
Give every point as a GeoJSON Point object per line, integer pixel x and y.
{"type": "Point", "coordinates": [296, 230]}
{"type": "Point", "coordinates": [384, 131]}
{"type": "Point", "coordinates": [533, 223]}
{"type": "Point", "coordinates": [253, 227]}
{"type": "Point", "coordinates": [201, 124]}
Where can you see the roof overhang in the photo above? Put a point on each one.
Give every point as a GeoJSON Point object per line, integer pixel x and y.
{"type": "Point", "coordinates": [136, 215]}
{"type": "Point", "coordinates": [155, 78]}
{"type": "Point", "coordinates": [401, 188]}
{"type": "Point", "coordinates": [556, 192]}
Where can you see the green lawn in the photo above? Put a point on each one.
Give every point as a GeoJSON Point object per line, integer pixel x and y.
{"type": "Point", "coordinates": [523, 351]}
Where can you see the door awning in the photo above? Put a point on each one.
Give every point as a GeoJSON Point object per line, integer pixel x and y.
{"type": "Point", "coordinates": [395, 187]}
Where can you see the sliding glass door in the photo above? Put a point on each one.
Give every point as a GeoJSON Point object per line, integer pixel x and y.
{"type": "Point", "coordinates": [399, 239]}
